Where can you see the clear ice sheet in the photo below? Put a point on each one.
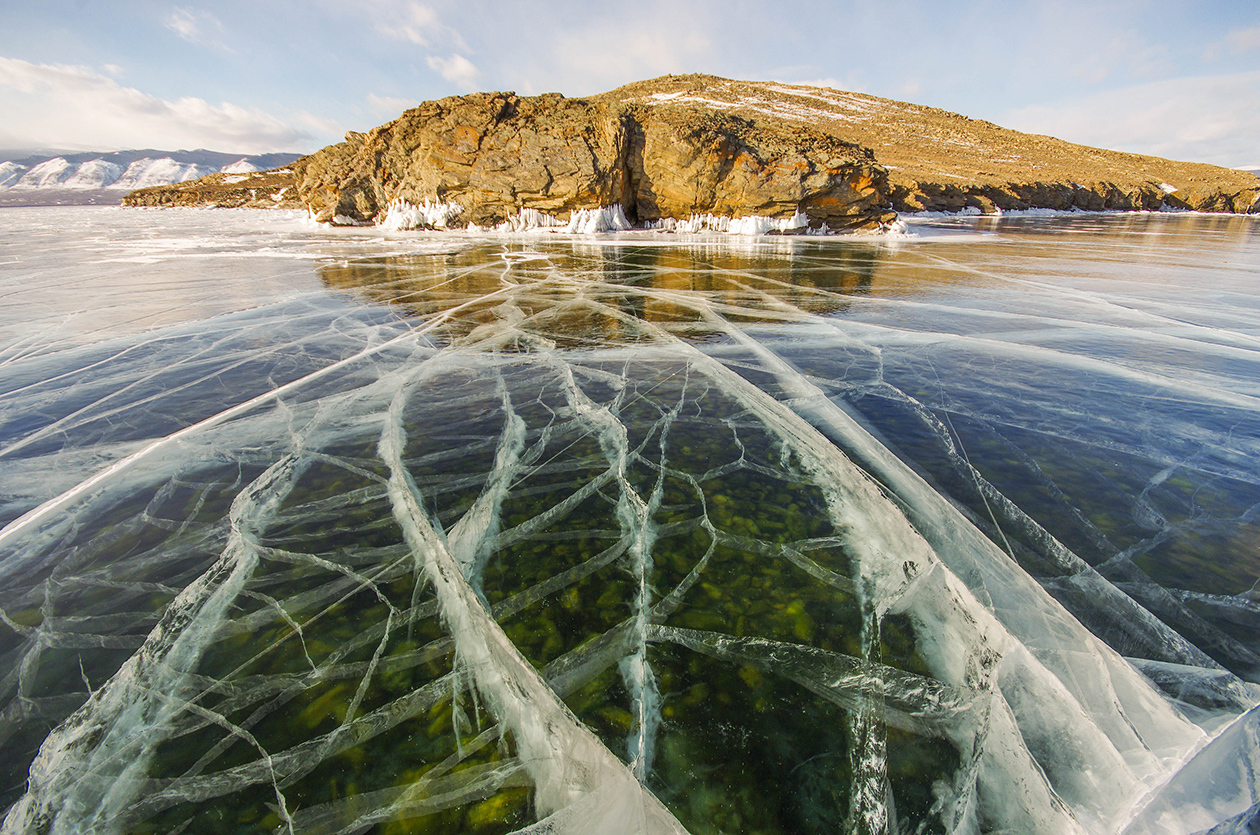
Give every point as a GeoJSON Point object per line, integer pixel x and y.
{"type": "Point", "coordinates": [339, 531]}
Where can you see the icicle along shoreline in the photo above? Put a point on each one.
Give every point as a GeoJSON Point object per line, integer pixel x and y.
{"type": "Point", "coordinates": [403, 216]}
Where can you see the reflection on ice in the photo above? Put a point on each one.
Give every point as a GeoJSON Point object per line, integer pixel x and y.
{"type": "Point", "coordinates": [614, 536]}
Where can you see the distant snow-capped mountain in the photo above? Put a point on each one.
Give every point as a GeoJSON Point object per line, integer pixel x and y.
{"type": "Point", "coordinates": [42, 179]}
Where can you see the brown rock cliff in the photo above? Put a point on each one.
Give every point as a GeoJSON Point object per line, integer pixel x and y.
{"type": "Point", "coordinates": [494, 154]}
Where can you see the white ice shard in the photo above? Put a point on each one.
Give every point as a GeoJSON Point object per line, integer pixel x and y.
{"type": "Point", "coordinates": [1216, 784]}
{"type": "Point", "coordinates": [603, 219]}
{"type": "Point", "coordinates": [402, 215]}
{"type": "Point", "coordinates": [580, 222]}
{"type": "Point", "coordinates": [751, 225]}
{"type": "Point", "coordinates": [527, 220]}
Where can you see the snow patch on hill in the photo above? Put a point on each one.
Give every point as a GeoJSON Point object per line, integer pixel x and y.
{"type": "Point", "coordinates": [46, 174]}
{"type": "Point", "coordinates": [95, 173]}
{"type": "Point", "coordinates": [241, 166]}
{"type": "Point", "coordinates": [10, 173]}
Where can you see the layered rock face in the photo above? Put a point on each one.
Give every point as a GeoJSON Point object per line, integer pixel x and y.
{"type": "Point", "coordinates": [494, 154]}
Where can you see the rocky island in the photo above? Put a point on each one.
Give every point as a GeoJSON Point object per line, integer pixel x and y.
{"type": "Point", "coordinates": [680, 147]}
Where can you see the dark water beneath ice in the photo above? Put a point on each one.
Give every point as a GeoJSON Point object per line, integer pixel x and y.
{"type": "Point", "coordinates": [336, 532]}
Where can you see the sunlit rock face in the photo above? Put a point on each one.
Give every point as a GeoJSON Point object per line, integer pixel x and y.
{"type": "Point", "coordinates": [494, 154]}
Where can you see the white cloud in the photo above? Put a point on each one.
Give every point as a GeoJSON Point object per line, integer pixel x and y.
{"type": "Point", "coordinates": [55, 105]}
{"type": "Point", "coordinates": [833, 83]}
{"type": "Point", "coordinates": [597, 54]}
{"type": "Point", "coordinates": [1125, 54]}
{"type": "Point", "coordinates": [910, 89]}
{"type": "Point", "coordinates": [456, 69]}
{"type": "Point", "coordinates": [387, 107]}
{"type": "Point", "coordinates": [415, 22]}
{"type": "Point", "coordinates": [1236, 42]}
{"type": "Point", "coordinates": [197, 26]}
{"type": "Point", "coordinates": [806, 75]}
{"type": "Point", "coordinates": [1244, 40]}
{"type": "Point", "coordinates": [1200, 119]}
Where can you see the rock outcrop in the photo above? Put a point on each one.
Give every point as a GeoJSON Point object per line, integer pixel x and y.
{"type": "Point", "coordinates": [494, 154]}
{"type": "Point", "coordinates": [680, 146]}
{"type": "Point", "coordinates": [256, 190]}
{"type": "Point", "coordinates": [941, 161]}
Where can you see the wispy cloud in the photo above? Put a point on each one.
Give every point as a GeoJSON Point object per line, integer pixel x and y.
{"type": "Point", "coordinates": [1124, 54]}
{"type": "Point", "coordinates": [1196, 118]}
{"type": "Point", "coordinates": [197, 26]}
{"type": "Point", "coordinates": [1244, 40]}
{"type": "Point", "coordinates": [595, 53]}
{"type": "Point", "coordinates": [415, 22]}
{"type": "Point", "coordinates": [456, 69]}
{"type": "Point", "coordinates": [419, 24]}
{"type": "Point", "coordinates": [1235, 43]}
{"type": "Point", "coordinates": [387, 107]}
{"type": "Point", "coordinates": [58, 105]}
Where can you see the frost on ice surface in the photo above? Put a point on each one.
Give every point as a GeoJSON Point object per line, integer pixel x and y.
{"type": "Point", "coordinates": [551, 536]}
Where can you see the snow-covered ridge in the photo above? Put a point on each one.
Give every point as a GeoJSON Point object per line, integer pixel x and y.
{"type": "Point", "coordinates": [122, 171]}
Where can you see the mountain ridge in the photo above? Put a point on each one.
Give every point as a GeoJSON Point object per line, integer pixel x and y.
{"type": "Point", "coordinates": [678, 146]}
{"type": "Point", "coordinates": [86, 177]}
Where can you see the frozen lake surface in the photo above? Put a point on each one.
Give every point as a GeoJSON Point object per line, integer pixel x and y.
{"type": "Point", "coordinates": [338, 531]}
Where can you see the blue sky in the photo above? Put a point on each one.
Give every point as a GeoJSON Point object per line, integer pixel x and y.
{"type": "Point", "coordinates": [1178, 79]}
